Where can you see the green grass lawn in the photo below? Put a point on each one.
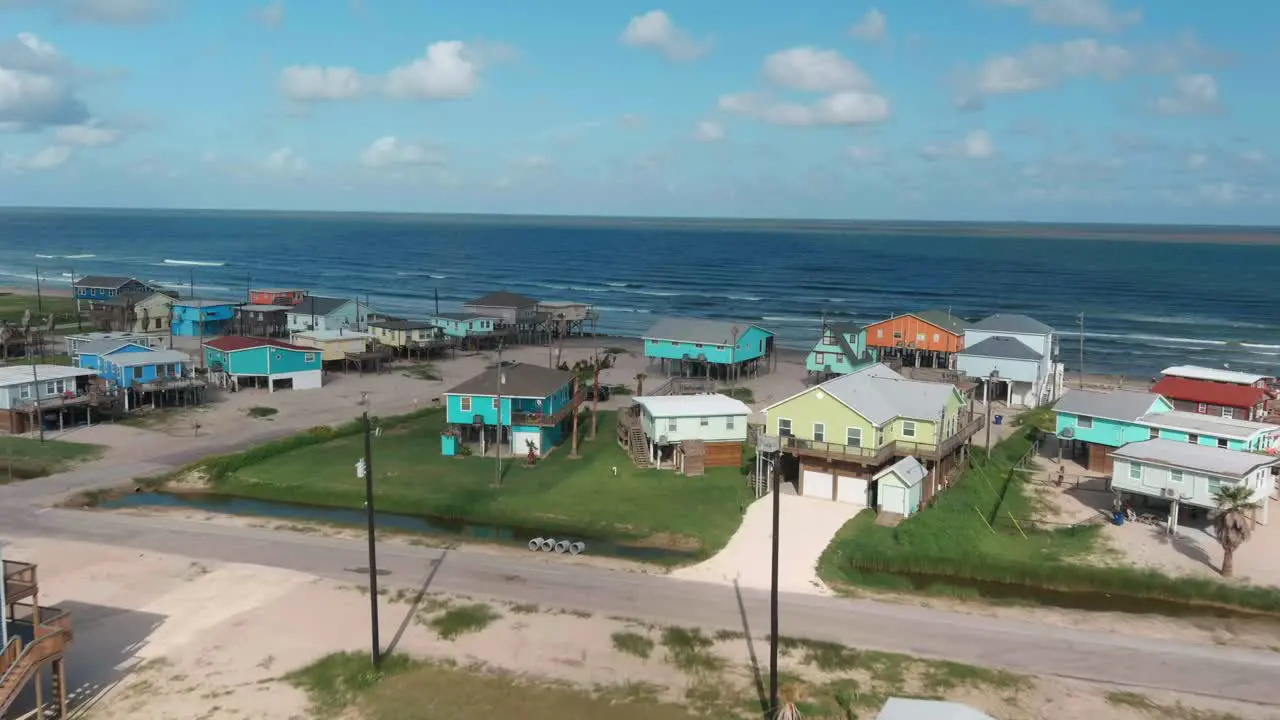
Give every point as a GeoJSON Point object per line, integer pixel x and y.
{"type": "Point", "coordinates": [558, 494]}
{"type": "Point", "coordinates": [952, 539]}
{"type": "Point", "coordinates": [12, 306]}
{"type": "Point", "coordinates": [23, 458]}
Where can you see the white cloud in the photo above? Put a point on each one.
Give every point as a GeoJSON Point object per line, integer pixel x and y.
{"type": "Point", "coordinates": [853, 107]}
{"type": "Point", "coordinates": [709, 131]}
{"type": "Point", "coordinates": [655, 30]}
{"type": "Point", "coordinates": [1192, 95]}
{"type": "Point", "coordinates": [872, 27]}
{"type": "Point", "coordinates": [978, 145]}
{"type": "Point", "coordinates": [1254, 157]}
{"type": "Point", "coordinates": [53, 156]}
{"type": "Point", "coordinates": [1197, 160]}
{"type": "Point", "coordinates": [271, 14]}
{"type": "Point", "coordinates": [631, 121]}
{"type": "Point", "coordinates": [313, 83]}
{"type": "Point", "coordinates": [35, 90]}
{"type": "Point", "coordinates": [90, 134]}
{"type": "Point", "coordinates": [1091, 14]}
{"type": "Point", "coordinates": [390, 151]}
{"type": "Point", "coordinates": [447, 71]}
{"type": "Point", "coordinates": [117, 12]}
{"type": "Point", "coordinates": [1042, 66]}
{"type": "Point", "coordinates": [1221, 193]}
{"type": "Point", "coordinates": [285, 160]}
{"type": "Point", "coordinates": [813, 70]}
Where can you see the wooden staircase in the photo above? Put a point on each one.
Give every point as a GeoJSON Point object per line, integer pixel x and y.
{"type": "Point", "coordinates": [20, 663]}
{"type": "Point", "coordinates": [639, 450]}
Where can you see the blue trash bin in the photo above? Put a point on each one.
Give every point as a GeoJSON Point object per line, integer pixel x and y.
{"type": "Point", "coordinates": [1118, 517]}
{"type": "Point", "coordinates": [999, 419]}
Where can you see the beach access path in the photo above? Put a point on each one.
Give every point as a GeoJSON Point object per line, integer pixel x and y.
{"type": "Point", "coordinates": [1017, 645]}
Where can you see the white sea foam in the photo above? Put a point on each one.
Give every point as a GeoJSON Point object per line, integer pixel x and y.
{"type": "Point", "coordinates": [749, 298]}
{"type": "Point", "coordinates": [1153, 338]}
{"type": "Point", "coordinates": [791, 319]}
{"type": "Point", "coordinates": [438, 277]}
{"type": "Point", "coordinates": [197, 263]}
{"type": "Point", "coordinates": [606, 308]}
{"type": "Point", "coordinates": [79, 257]}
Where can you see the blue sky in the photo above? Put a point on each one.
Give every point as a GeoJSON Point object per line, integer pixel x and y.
{"type": "Point", "coordinates": [1105, 110]}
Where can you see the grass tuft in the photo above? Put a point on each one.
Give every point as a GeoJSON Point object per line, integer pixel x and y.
{"type": "Point", "coordinates": [463, 619]}
{"type": "Point", "coordinates": [334, 681]}
{"type": "Point", "coordinates": [633, 643]}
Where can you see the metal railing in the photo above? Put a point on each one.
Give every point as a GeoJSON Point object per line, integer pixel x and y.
{"type": "Point", "coordinates": [19, 580]}
{"type": "Point", "coordinates": [893, 448]}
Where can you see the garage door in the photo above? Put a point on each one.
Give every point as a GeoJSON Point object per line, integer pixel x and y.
{"type": "Point", "coordinates": [518, 440]}
{"type": "Point", "coordinates": [817, 483]}
{"type": "Point", "coordinates": [852, 490]}
{"type": "Point", "coordinates": [893, 499]}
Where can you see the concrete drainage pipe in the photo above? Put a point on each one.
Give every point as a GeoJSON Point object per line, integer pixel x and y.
{"type": "Point", "coordinates": [562, 547]}
{"type": "Point", "coordinates": [535, 544]}
{"type": "Point", "coordinates": [577, 547]}
{"type": "Point", "coordinates": [548, 544]}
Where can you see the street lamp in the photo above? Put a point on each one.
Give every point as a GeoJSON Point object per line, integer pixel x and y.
{"type": "Point", "coordinates": [364, 467]}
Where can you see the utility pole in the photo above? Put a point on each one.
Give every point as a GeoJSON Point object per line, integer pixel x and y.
{"type": "Point", "coordinates": [437, 293]}
{"type": "Point", "coordinates": [37, 413]}
{"type": "Point", "coordinates": [191, 286]}
{"type": "Point", "coordinates": [497, 443]}
{"type": "Point", "coordinates": [39, 305]}
{"type": "Point", "coordinates": [365, 466]}
{"type": "Point", "coordinates": [595, 394]}
{"type": "Point", "coordinates": [74, 293]}
{"type": "Point", "coordinates": [773, 595]}
{"type": "Point", "coordinates": [1081, 349]}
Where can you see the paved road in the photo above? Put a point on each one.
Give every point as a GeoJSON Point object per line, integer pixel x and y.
{"type": "Point", "coordinates": [1143, 663]}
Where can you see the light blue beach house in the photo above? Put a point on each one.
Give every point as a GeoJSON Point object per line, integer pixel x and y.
{"type": "Point", "coordinates": [710, 348]}
{"type": "Point", "coordinates": [320, 313]}
{"type": "Point", "coordinates": [236, 362]}
{"type": "Point", "coordinates": [842, 349]}
{"type": "Point", "coordinates": [465, 325]}
{"type": "Point", "coordinates": [1167, 473]}
{"type": "Point", "coordinates": [1096, 422]}
{"type": "Point", "coordinates": [516, 405]}
{"type": "Point", "coordinates": [195, 318]}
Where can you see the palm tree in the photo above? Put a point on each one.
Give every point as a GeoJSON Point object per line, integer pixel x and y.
{"type": "Point", "coordinates": [1231, 523]}
{"type": "Point", "coordinates": [640, 384]}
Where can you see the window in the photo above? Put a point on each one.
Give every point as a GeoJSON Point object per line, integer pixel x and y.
{"type": "Point", "coordinates": [671, 424]}
{"type": "Point", "coordinates": [464, 404]}
{"type": "Point", "coordinates": [879, 332]}
{"type": "Point", "coordinates": [819, 358]}
{"type": "Point", "coordinates": [24, 392]}
{"type": "Point", "coordinates": [827, 339]}
{"type": "Point", "coordinates": [137, 372]}
{"type": "Point", "coordinates": [704, 422]}
{"type": "Point", "coordinates": [853, 437]}
{"type": "Point", "coordinates": [784, 427]}
{"type": "Point", "coordinates": [908, 428]}
{"type": "Point", "coordinates": [1135, 471]}
{"type": "Point", "coordinates": [1222, 442]}
{"type": "Point", "coordinates": [1085, 422]}
{"type": "Point", "coordinates": [728, 423]}
{"type": "Point", "coordinates": [50, 388]}
{"type": "Point", "coordinates": [697, 345]}
{"type": "Point", "coordinates": [1175, 476]}
{"type": "Point", "coordinates": [1202, 408]}
{"type": "Point", "coordinates": [819, 432]}
{"type": "Point", "coordinates": [1154, 434]}
{"type": "Point", "coordinates": [937, 337]}
{"type": "Point", "coordinates": [1193, 439]}
{"type": "Point", "coordinates": [308, 357]}
{"type": "Point", "coordinates": [897, 335]}
{"type": "Point", "coordinates": [920, 337]}
{"type": "Point", "coordinates": [495, 403]}
{"type": "Point", "coordinates": [1215, 485]}
{"type": "Point", "coordinates": [1228, 413]}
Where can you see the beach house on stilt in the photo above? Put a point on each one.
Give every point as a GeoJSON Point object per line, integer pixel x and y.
{"type": "Point", "coordinates": [714, 349]}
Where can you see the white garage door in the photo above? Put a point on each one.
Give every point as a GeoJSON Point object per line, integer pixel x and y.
{"type": "Point", "coordinates": [893, 499]}
{"type": "Point", "coordinates": [518, 440]}
{"type": "Point", "coordinates": [852, 490]}
{"type": "Point", "coordinates": [817, 483]}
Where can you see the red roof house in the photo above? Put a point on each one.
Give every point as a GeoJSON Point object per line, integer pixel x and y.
{"type": "Point", "coordinates": [1242, 402]}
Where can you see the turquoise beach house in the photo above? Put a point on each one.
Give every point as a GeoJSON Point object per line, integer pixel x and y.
{"type": "Point", "coordinates": [91, 355]}
{"type": "Point", "coordinates": [842, 349]}
{"type": "Point", "coordinates": [193, 318]}
{"type": "Point", "coordinates": [464, 325]}
{"type": "Point", "coordinates": [713, 348]}
{"type": "Point", "coordinates": [516, 404]}
{"type": "Point", "coordinates": [1096, 423]}
{"type": "Point", "coordinates": [236, 363]}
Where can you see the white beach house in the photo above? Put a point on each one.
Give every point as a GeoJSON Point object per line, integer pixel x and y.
{"type": "Point", "coordinates": [719, 421]}
{"type": "Point", "coordinates": [1180, 473]}
{"type": "Point", "coordinates": [1015, 358]}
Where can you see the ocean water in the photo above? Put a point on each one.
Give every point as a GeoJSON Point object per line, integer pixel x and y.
{"type": "Point", "coordinates": [1146, 305]}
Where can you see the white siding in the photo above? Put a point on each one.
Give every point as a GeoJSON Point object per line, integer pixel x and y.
{"type": "Point", "coordinates": [716, 428]}
{"type": "Point", "coordinates": [1042, 344]}
{"type": "Point", "coordinates": [302, 380]}
{"type": "Point", "coordinates": [1195, 486]}
{"type": "Point", "coordinates": [981, 367]}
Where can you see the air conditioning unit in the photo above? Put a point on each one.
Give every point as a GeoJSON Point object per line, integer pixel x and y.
{"type": "Point", "coordinates": [1170, 493]}
{"type": "Point", "coordinates": [1068, 432]}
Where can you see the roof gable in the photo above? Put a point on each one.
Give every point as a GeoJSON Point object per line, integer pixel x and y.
{"type": "Point", "coordinates": [521, 380]}
{"type": "Point", "coordinates": [942, 319]}
{"type": "Point", "coordinates": [1000, 346]}
{"type": "Point", "coordinates": [106, 347]}
{"type": "Point", "coordinates": [879, 394]}
{"type": "Point", "coordinates": [908, 469]}
{"type": "Point", "coordinates": [698, 330]}
{"type": "Point", "coordinates": [318, 305]}
{"type": "Point", "coordinates": [1013, 323]}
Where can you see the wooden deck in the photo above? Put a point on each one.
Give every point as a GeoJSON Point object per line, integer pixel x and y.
{"type": "Point", "coordinates": [41, 637]}
{"type": "Point", "coordinates": [552, 419]}
{"type": "Point", "coordinates": [19, 581]}
{"type": "Point", "coordinates": [879, 456]}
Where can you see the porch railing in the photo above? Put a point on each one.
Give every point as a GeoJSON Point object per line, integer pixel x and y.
{"type": "Point", "coordinates": [896, 448]}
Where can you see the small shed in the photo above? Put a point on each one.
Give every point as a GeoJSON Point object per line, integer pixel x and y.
{"type": "Point", "coordinates": [900, 487]}
{"type": "Point", "coordinates": [691, 458]}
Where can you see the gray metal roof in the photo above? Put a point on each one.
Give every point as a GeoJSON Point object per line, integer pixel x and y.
{"type": "Point", "coordinates": [1002, 347]}
{"type": "Point", "coordinates": [908, 469]}
{"type": "Point", "coordinates": [1197, 458]}
{"type": "Point", "coordinates": [914, 709]}
{"type": "Point", "coordinates": [696, 330]}
{"type": "Point", "coordinates": [879, 394]}
{"type": "Point", "coordinates": [461, 316]}
{"type": "Point", "coordinates": [522, 380]}
{"type": "Point", "coordinates": [316, 305]}
{"type": "Point", "coordinates": [1013, 323]}
{"type": "Point", "coordinates": [104, 347]}
{"type": "Point", "coordinates": [1216, 425]}
{"type": "Point", "coordinates": [503, 299]}
{"type": "Point", "coordinates": [1126, 405]}
{"type": "Point", "coordinates": [401, 325]}
{"type": "Point", "coordinates": [943, 319]}
{"type": "Point", "coordinates": [154, 357]}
